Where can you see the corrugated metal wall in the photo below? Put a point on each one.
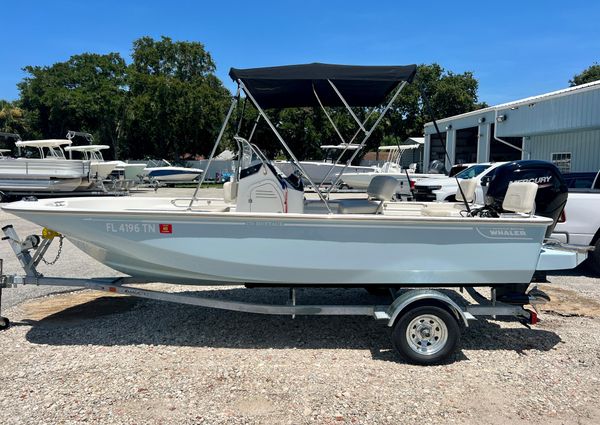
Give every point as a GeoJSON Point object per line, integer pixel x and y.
{"type": "Point", "coordinates": [570, 112]}
{"type": "Point", "coordinates": [583, 145]}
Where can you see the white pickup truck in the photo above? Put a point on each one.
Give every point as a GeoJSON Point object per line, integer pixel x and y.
{"type": "Point", "coordinates": [580, 223]}
{"type": "Point", "coordinates": [428, 190]}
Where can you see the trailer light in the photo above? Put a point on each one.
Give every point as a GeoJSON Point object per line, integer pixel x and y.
{"type": "Point", "coordinates": [412, 184]}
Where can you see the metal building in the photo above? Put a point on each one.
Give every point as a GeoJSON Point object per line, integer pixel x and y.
{"type": "Point", "coordinates": [562, 127]}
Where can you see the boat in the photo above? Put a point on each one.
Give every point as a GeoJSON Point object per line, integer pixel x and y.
{"type": "Point", "coordinates": [171, 173]}
{"type": "Point", "coordinates": [50, 172]}
{"type": "Point", "coordinates": [391, 167]}
{"type": "Point", "coordinates": [99, 168]}
{"type": "Point", "coordinates": [326, 171]}
{"type": "Point", "coordinates": [272, 235]}
{"type": "Point", "coordinates": [263, 232]}
{"type": "Point", "coordinates": [5, 151]}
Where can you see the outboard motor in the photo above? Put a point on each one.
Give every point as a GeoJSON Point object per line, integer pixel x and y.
{"type": "Point", "coordinates": [437, 167]}
{"type": "Point", "coordinates": [552, 191]}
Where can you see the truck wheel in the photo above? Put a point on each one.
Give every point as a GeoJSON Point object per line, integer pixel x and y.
{"type": "Point", "coordinates": [426, 335]}
{"type": "Point", "coordinates": [594, 258]}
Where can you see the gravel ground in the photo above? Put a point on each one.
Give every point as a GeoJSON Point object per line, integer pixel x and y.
{"type": "Point", "coordinates": [86, 357]}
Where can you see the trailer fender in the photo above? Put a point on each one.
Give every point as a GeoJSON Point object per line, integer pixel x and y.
{"type": "Point", "coordinates": [422, 296]}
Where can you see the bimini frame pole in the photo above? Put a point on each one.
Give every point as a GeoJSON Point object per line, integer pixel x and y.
{"type": "Point", "coordinates": [339, 158]}
{"type": "Point", "coordinates": [367, 133]}
{"type": "Point", "coordinates": [286, 147]}
{"type": "Point", "coordinates": [214, 149]}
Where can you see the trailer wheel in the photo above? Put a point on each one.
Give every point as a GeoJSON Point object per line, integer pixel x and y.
{"type": "Point", "coordinates": [426, 335]}
{"type": "Point", "coordinates": [594, 258]}
{"type": "Point", "coordinates": [4, 323]}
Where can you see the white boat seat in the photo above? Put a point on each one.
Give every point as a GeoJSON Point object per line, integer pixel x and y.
{"type": "Point", "coordinates": [230, 192]}
{"type": "Point", "coordinates": [380, 190]}
{"type": "Point", "coordinates": [520, 197]}
{"type": "Point", "coordinates": [468, 187]}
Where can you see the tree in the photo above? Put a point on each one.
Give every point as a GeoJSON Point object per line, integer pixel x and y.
{"type": "Point", "coordinates": [448, 94]}
{"type": "Point", "coordinates": [84, 93]}
{"type": "Point", "coordinates": [592, 73]}
{"type": "Point", "coordinates": [175, 102]}
{"type": "Point", "coordinates": [13, 119]}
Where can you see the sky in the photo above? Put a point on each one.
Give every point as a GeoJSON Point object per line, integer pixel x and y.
{"type": "Point", "coordinates": [515, 49]}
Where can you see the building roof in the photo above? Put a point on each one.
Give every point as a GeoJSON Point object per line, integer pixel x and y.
{"type": "Point", "coordinates": [594, 85]}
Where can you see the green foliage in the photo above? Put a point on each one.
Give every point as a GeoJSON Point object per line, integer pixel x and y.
{"type": "Point", "coordinates": [448, 94]}
{"type": "Point", "coordinates": [175, 102]}
{"type": "Point", "coordinates": [13, 119]}
{"type": "Point", "coordinates": [168, 103]}
{"type": "Point", "coordinates": [84, 93]}
{"type": "Point", "coordinates": [592, 73]}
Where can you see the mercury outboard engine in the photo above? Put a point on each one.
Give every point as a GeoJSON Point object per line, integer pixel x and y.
{"type": "Point", "coordinates": [552, 191]}
{"type": "Point", "coordinates": [437, 167]}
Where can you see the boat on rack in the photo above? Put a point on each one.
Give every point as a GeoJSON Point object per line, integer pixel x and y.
{"type": "Point", "coordinates": [51, 171]}
{"type": "Point", "coordinates": [99, 168]}
{"type": "Point", "coordinates": [263, 231]}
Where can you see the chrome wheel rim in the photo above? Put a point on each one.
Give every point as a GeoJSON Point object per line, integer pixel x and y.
{"type": "Point", "coordinates": [427, 334]}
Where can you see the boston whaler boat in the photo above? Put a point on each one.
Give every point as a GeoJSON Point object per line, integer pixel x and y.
{"type": "Point", "coordinates": [264, 231]}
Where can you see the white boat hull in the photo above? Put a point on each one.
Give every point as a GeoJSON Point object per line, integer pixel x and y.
{"type": "Point", "coordinates": [173, 174]}
{"type": "Point", "coordinates": [150, 238]}
{"type": "Point", "coordinates": [43, 175]}
{"type": "Point", "coordinates": [317, 171]}
{"type": "Point", "coordinates": [361, 180]}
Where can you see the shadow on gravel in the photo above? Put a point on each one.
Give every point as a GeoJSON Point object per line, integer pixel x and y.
{"type": "Point", "coordinates": [121, 321]}
{"type": "Point", "coordinates": [582, 270]}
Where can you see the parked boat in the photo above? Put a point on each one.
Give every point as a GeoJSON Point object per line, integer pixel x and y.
{"type": "Point", "coordinates": [326, 171]}
{"type": "Point", "coordinates": [99, 168]}
{"type": "Point", "coordinates": [272, 235]}
{"type": "Point", "coordinates": [264, 232]}
{"type": "Point", "coordinates": [391, 167]}
{"type": "Point", "coordinates": [172, 174]}
{"type": "Point", "coordinates": [50, 172]}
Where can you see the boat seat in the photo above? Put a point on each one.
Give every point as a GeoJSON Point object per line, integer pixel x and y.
{"type": "Point", "coordinates": [230, 191]}
{"type": "Point", "coordinates": [468, 187]}
{"type": "Point", "coordinates": [520, 197]}
{"type": "Point", "coordinates": [447, 209]}
{"type": "Point", "coordinates": [380, 190]}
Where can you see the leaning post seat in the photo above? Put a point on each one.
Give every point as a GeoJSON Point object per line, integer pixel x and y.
{"type": "Point", "coordinates": [380, 190]}
{"type": "Point", "coordinates": [520, 197]}
{"type": "Point", "coordinates": [468, 187]}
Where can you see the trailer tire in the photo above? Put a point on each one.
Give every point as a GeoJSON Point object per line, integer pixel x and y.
{"type": "Point", "coordinates": [594, 258]}
{"type": "Point", "coordinates": [426, 335]}
{"type": "Point", "coordinates": [4, 323]}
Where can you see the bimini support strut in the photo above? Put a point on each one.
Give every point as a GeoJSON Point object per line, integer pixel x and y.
{"type": "Point", "coordinates": [234, 100]}
{"type": "Point", "coordinates": [367, 132]}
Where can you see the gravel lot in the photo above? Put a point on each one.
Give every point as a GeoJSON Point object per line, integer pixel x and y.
{"type": "Point", "coordinates": [82, 356]}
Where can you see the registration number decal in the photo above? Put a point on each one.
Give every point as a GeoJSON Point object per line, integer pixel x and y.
{"type": "Point", "coordinates": [138, 228]}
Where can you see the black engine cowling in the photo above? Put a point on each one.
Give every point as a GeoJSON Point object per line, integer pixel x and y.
{"type": "Point", "coordinates": [552, 190]}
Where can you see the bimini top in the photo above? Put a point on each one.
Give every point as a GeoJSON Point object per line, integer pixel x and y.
{"type": "Point", "coordinates": [87, 148]}
{"type": "Point", "coordinates": [292, 86]}
{"type": "Point", "coordinates": [48, 143]}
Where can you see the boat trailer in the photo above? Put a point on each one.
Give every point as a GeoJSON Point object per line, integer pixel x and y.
{"type": "Point", "coordinates": [425, 322]}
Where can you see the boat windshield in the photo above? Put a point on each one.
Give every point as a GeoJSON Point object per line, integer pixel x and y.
{"type": "Point", "coordinates": [473, 171]}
